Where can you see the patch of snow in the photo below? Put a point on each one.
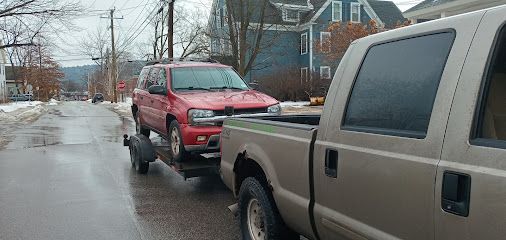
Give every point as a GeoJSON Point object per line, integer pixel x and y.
{"type": "Point", "coordinates": [123, 107]}
{"type": "Point", "coordinates": [53, 102]}
{"type": "Point", "coordinates": [89, 100]}
{"type": "Point", "coordinates": [294, 104]}
{"type": "Point", "coordinates": [11, 107]}
{"type": "Point", "coordinates": [18, 113]}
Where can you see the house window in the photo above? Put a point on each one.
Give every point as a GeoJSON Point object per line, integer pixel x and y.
{"type": "Point", "coordinates": [303, 43]}
{"type": "Point", "coordinates": [337, 11]}
{"type": "Point", "coordinates": [355, 12]}
{"type": "Point", "coordinates": [325, 41]}
{"type": "Point", "coordinates": [290, 15]}
{"type": "Point", "coordinates": [325, 72]}
{"type": "Point", "coordinates": [304, 74]}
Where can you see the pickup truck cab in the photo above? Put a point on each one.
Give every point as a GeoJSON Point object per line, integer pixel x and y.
{"type": "Point", "coordinates": [411, 143]}
{"type": "Point", "coordinates": [186, 102]}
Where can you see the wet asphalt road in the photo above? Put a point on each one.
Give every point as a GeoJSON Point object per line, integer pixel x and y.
{"type": "Point", "coordinates": [67, 176]}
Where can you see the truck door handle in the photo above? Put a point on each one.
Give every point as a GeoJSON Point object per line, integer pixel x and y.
{"type": "Point", "coordinates": [456, 193]}
{"type": "Point", "coordinates": [331, 159]}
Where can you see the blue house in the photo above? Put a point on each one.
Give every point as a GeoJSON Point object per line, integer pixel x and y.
{"type": "Point", "coordinates": [293, 27]}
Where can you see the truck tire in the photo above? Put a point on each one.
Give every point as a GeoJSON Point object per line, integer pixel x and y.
{"type": "Point", "coordinates": [138, 127]}
{"type": "Point", "coordinates": [176, 144]}
{"type": "Point", "coordinates": [258, 214]}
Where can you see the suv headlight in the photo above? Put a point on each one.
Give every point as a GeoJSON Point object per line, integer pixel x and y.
{"type": "Point", "coordinates": [274, 109]}
{"type": "Point", "coordinates": [199, 113]}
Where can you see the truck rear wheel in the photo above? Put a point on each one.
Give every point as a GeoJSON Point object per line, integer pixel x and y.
{"type": "Point", "coordinates": [258, 214]}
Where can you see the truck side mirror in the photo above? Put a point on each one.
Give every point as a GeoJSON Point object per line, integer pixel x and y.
{"type": "Point", "coordinates": [158, 90]}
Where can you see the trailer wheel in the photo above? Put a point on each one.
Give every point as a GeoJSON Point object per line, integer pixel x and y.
{"type": "Point", "coordinates": [258, 214]}
{"type": "Point", "coordinates": [141, 153]}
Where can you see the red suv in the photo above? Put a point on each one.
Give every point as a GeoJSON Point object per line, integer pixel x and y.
{"type": "Point", "coordinates": [186, 102]}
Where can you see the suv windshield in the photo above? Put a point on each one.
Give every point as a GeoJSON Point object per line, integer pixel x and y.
{"type": "Point", "coordinates": [206, 78]}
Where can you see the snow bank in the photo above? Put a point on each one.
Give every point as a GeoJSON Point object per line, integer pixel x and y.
{"type": "Point", "coordinates": [21, 111]}
{"type": "Point", "coordinates": [11, 107]}
{"type": "Point", "coordinates": [53, 102]}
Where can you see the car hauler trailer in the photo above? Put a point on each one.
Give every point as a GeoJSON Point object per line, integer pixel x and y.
{"type": "Point", "coordinates": [144, 151]}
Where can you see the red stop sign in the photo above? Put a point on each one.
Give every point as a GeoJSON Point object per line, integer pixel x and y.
{"type": "Point", "coordinates": [121, 85]}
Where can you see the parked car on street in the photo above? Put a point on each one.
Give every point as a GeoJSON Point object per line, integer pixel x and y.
{"type": "Point", "coordinates": [19, 98]}
{"type": "Point", "coordinates": [411, 143]}
{"type": "Point", "coordinates": [186, 102]}
{"type": "Point", "coordinates": [98, 97]}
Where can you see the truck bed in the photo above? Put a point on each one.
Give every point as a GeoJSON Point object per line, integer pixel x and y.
{"type": "Point", "coordinates": [276, 144]}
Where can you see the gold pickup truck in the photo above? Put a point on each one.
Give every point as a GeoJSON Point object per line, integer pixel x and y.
{"type": "Point", "coordinates": [411, 143]}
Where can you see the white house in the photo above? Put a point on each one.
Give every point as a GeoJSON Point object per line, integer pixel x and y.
{"type": "Point", "coordinates": [433, 9]}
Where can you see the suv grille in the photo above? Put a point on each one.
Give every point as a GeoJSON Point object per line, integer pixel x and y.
{"type": "Point", "coordinates": [242, 111]}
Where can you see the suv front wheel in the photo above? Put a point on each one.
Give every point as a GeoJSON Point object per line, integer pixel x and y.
{"type": "Point", "coordinates": [177, 149]}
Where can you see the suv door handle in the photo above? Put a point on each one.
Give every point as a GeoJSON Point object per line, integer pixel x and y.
{"type": "Point", "coordinates": [331, 160]}
{"type": "Point", "coordinates": [142, 97]}
{"type": "Point", "coordinates": [456, 193]}
{"type": "Point", "coordinates": [152, 101]}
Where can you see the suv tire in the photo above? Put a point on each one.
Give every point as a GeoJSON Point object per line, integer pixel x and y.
{"type": "Point", "coordinates": [258, 214]}
{"type": "Point", "coordinates": [176, 143]}
{"type": "Point", "coordinates": [139, 129]}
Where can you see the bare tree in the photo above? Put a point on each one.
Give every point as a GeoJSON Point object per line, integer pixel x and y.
{"type": "Point", "coordinates": [246, 31]}
{"type": "Point", "coordinates": [189, 33]}
{"type": "Point", "coordinates": [21, 21]}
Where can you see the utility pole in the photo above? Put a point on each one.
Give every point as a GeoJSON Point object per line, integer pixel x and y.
{"type": "Point", "coordinates": [170, 29]}
{"type": "Point", "coordinates": [114, 67]}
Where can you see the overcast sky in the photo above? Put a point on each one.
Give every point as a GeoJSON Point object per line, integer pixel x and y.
{"type": "Point", "coordinates": [133, 12]}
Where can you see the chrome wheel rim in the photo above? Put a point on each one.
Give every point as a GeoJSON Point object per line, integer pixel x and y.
{"type": "Point", "coordinates": [175, 141]}
{"type": "Point", "coordinates": [256, 221]}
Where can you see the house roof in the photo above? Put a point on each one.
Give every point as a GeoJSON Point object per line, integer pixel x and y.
{"type": "Point", "coordinates": [388, 12]}
{"type": "Point", "coordinates": [428, 4]}
{"type": "Point", "coordinates": [318, 4]}
{"type": "Point", "coordinates": [291, 2]}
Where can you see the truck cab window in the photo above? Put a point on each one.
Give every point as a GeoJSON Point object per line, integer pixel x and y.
{"type": "Point", "coordinates": [492, 121]}
{"type": "Point", "coordinates": [394, 92]}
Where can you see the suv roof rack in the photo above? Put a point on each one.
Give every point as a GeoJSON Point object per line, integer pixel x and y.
{"type": "Point", "coordinates": [182, 59]}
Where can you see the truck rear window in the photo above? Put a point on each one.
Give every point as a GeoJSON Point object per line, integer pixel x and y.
{"type": "Point", "coordinates": [396, 86]}
{"type": "Point", "coordinates": [207, 78]}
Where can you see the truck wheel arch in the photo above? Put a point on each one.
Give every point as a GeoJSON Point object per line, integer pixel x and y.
{"type": "Point", "coordinates": [245, 167]}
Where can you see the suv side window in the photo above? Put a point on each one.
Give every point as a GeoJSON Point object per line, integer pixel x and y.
{"type": "Point", "coordinates": [491, 118]}
{"type": "Point", "coordinates": [142, 78]}
{"type": "Point", "coordinates": [395, 89]}
{"type": "Point", "coordinates": [162, 77]}
{"type": "Point", "coordinates": [153, 77]}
